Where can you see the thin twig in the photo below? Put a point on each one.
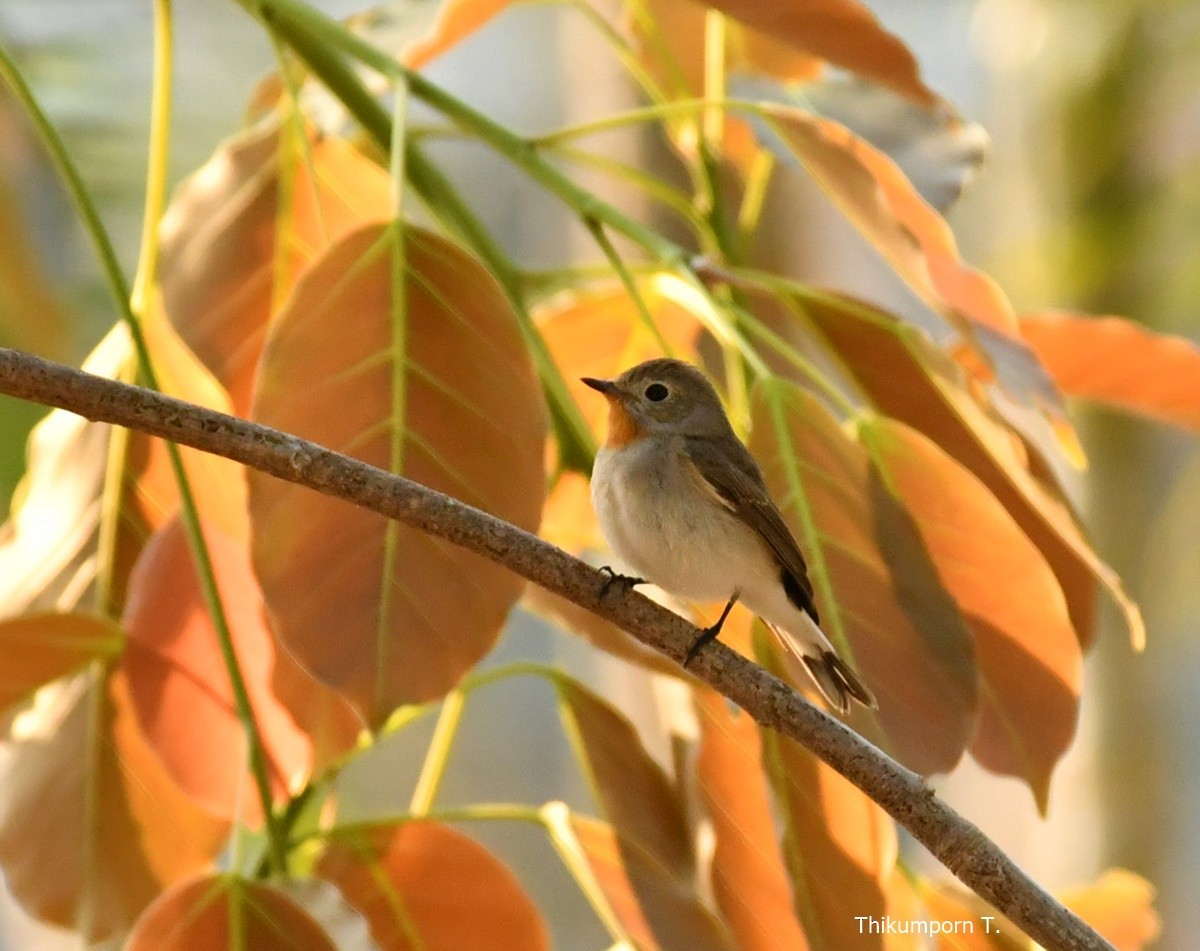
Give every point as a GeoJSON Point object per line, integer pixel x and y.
{"type": "Point", "coordinates": [957, 843]}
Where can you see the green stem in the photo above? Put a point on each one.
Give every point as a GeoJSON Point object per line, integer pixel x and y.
{"type": "Point", "coordinates": [619, 120]}
{"type": "Point", "coordinates": [806, 367]}
{"type": "Point", "coordinates": [188, 512]}
{"type": "Point", "coordinates": [477, 812]}
{"type": "Point", "coordinates": [398, 151]}
{"type": "Point", "coordinates": [627, 56]}
{"type": "Point", "coordinates": [628, 282]}
{"type": "Point", "coordinates": [670, 197]}
{"type": "Point", "coordinates": [438, 753]}
{"type": "Point", "coordinates": [753, 201]}
{"type": "Point", "coordinates": [522, 668]}
{"type": "Point", "coordinates": [713, 124]}
{"type": "Point", "coordinates": [159, 154]}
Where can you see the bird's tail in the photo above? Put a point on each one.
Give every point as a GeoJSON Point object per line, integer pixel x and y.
{"type": "Point", "coordinates": [834, 678]}
{"type": "Point", "coordinates": [837, 681]}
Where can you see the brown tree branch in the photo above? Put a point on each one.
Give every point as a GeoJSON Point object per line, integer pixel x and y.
{"type": "Point", "coordinates": [956, 842]}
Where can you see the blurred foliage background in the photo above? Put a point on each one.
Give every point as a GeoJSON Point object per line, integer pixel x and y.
{"type": "Point", "coordinates": [1090, 199]}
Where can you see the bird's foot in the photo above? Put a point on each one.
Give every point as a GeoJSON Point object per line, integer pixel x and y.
{"type": "Point", "coordinates": [616, 578]}
{"type": "Point", "coordinates": [709, 634]}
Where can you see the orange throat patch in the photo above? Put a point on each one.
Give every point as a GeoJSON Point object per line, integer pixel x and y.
{"type": "Point", "coordinates": [622, 430]}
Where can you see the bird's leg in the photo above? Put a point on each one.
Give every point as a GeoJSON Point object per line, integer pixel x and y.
{"type": "Point", "coordinates": [625, 581]}
{"type": "Point", "coordinates": [710, 633]}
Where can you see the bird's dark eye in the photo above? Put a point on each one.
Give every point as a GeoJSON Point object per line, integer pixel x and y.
{"type": "Point", "coordinates": [656, 392]}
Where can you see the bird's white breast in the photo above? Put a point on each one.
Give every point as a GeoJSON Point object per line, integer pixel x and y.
{"type": "Point", "coordinates": [669, 530]}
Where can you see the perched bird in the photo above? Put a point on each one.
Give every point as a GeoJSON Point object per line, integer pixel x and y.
{"type": "Point", "coordinates": [682, 501]}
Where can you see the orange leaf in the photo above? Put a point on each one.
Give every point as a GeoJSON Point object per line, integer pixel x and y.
{"type": "Point", "coordinates": [321, 713]}
{"type": "Point", "coordinates": [179, 684]}
{"type": "Point", "coordinates": [908, 378]}
{"type": "Point", "coordinates": [39, 648]}
{"type": "Point", "coordinates": [872, 191]}
{"type": "Point", "coordinates": [648, 905]}
{"type": "Point", "coordinates": [680, 27]}
{"type": "Point", "coordinates": [1116, 361]}
{"type": "Point", "coordinates": [456, 20]}
{"type": "Point", "coordinates": [903, 904]}
{"type": "Point", "coordinates": [839, 846]}
{"type": "Point", "coordinates": [636, 795]}
{"type": "Point", "coordinates": [92, 827]}
{"type": "Point", "coordinates": [240, 229]}
{"type": "Point", "coordinates": [568, 518]}
{"type": "Point", "coordinates": [843, 32]}
{"type": "Point", "coordinates": [1120, 905]}
{"type": "Point", "coordinates": [1030, 663]}
{"type": "Point", "coordinates": [222, 911]}
{"type": "Point", "coordinates": [422, 885]}
{"type": "Point", "coordinates": [904, 633]}
{"type": "Point", "coordinates": [217, 484]}
{"type": "Point", "coordinates": [432, 381]}
{"type": "Point", "coordinates": [748, 875]}
{"type": "Point", "coordinates": [671, 44]}
{"type": "Point", "coordinates": [48, 546]}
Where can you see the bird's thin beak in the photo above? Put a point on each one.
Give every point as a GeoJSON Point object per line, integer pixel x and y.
{"type": "Point", "coordinates": [607, 387]}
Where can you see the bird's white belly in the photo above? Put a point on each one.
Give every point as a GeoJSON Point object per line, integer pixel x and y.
{"type": "Point", "coordinates": [669, 530]}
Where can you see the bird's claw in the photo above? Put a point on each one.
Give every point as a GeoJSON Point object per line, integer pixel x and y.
{"type": "Point", "coordinates": [614, 577]}
{"type": "Point", "coordinates": [707, 636]}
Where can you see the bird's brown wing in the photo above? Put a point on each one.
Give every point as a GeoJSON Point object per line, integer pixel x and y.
{"type": "Point", "coordinates": [732, 476]}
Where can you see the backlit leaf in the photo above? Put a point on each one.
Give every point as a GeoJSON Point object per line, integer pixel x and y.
{"type": "Point", "coordinates": [241, 228]}
{"type": "Point", "coordinates": [840, 847]}
{"type": "Point", "coordinates": [844, 32]}
{"type": "Point", "coordinates": [92, 827]}
{"type": "Point", "coordinates": [223, 911]}
{"type": "Point", "coordinates": [456, 20]}
{"type": "Point", "coordinates": [679, 25]}
{"type": "Point", "coordinates": [39, 648]}
{"type": "Point", "coordinates": [425, 887]}
{"type": "Point", "coordinates": [47, 547]}
{"type": "Point", "coordinates": [872, 191]}
{"type": "Point", "coordinates": [643, 901]}
{"type": "Point", "coordinates": [935, 149]}
{"type": "Point", "coordinates": [1030, 663]}
{"type": "Point", "coordinates": [903, 632]}
{"type": "Point", "coordinates": [426, 377]}
{"type": "Point", "coordinates": [326, 717]}
{"type": "Point", "coordinates": [749, 880]}
{"type": "Point", "coordinates": [1120, 363]}
{"type": "Point", "coordinates": [908, 378]}
{"type": "Point", "coordinates": [638, 798]}
{"type": "Point", "coordinates": [179, 684]}
{"type": "Point", "coordinates": [152, 491]}
{"type": "Point", "coordinates": [1120, 905]}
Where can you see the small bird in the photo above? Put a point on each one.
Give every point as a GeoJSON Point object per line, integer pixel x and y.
{"type": "Point", "coordinates": [682, 501]}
